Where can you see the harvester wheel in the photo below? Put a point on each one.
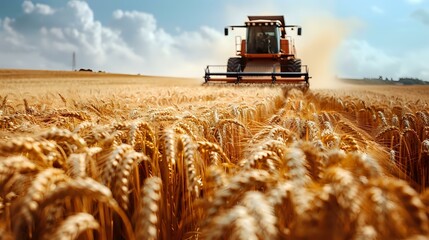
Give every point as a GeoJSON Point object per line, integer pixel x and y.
{"type": "Point", "coordinates": [234, 65]}
{"type": "Point", "coordinates": [294, 65]}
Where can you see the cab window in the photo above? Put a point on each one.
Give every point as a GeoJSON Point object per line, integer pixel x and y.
{"type": "Point", "coordinates": [262, 39]}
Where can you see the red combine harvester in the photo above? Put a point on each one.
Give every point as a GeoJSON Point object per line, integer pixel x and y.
{"type": "Point", "coordinates": [266, 57]}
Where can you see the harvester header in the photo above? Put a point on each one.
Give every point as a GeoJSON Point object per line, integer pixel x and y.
{"type": "Point", "coordinates": [267, 55]}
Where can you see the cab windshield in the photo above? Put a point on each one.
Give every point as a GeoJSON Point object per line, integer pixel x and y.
{"type": "Point", "coordinates": [262, 39]}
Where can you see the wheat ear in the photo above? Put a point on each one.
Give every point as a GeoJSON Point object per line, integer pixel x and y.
{"type": "Point", "coordinates": [112, 162]}
{"type": "Point", "coordinates": [73, 226]}
{"type": "Point", "coordinates": [260, 208]}
{"type": "Point", "coordinates": [295, 160]}
{"type": "Point", "coordinates": [63, 135]}
{"type": "Point", "coordinates": [238, 221]}
{"type": "Point", "coordinates": [121, 187]}
{"type": "Point", "coordinates": [147, 215]}
{"type": "Point", "coordinates": [261, 158]}
{"type": "Point", "coordinates": [29, 145]}
{"type": "Point", "coordinates": [89, 189]}
{"type": "Point", "coordinates": [44, 182]}
{"type": "Point", "coordinates": [239, 183]}
{"type": "Point", "coordinates": [410, 201]}
{"type": "Point", "coordinates": [191, 172]}
{"type": "Point", "coordinates": [212, 147]}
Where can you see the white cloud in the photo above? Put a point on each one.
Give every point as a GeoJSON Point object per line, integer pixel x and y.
{"type": "Point", "coordinates": [358, 58]}
{"type": "Point", "coordinates": [28, 7]}
{"type": "Point", "coordinates": [132, 43]}
{"type": "Point", "coordinates": [415, 1]}
{"type": "Point", "coordinates": [414, 64]}
{"type": "Point", "coordinates": [44, 9]}
{"type": "Point", "coordinates": [11, 38]}
{"type": "Point", "coordinates": [421, 15]}
{"type": "Point", "coordinates": [376, 9]}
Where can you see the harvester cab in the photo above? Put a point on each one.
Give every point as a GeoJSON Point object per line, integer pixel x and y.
{"type": "Point", "coordinates": [266, 56]}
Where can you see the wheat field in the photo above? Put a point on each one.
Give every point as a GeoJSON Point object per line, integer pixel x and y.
{"type": "Point", "coordinates": [100, 156]}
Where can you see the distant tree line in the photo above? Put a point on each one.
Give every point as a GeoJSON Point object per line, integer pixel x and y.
{"type": "Point", "coordinates": [403, 80]}
{"type": "Point", "coordinates": [412, 81]}
{"type": "Point", "coordinates": [386, 80]}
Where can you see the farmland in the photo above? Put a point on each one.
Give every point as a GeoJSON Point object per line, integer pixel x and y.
{"type": "Point", "coordinates": [104, 156]}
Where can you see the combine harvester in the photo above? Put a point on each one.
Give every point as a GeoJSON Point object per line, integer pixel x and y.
{"type": "Point", "coordinates": [266, 57]}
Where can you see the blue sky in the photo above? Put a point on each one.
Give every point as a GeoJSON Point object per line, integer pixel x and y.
{"type": "Point", "coordinates": [351, 38]}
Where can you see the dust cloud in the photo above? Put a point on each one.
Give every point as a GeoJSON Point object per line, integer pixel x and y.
{"type": "Point", "coordinates": [317, 47]}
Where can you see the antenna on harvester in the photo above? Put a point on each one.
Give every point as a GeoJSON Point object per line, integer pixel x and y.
{"type": "Point", "coordinates": [74, 62]}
